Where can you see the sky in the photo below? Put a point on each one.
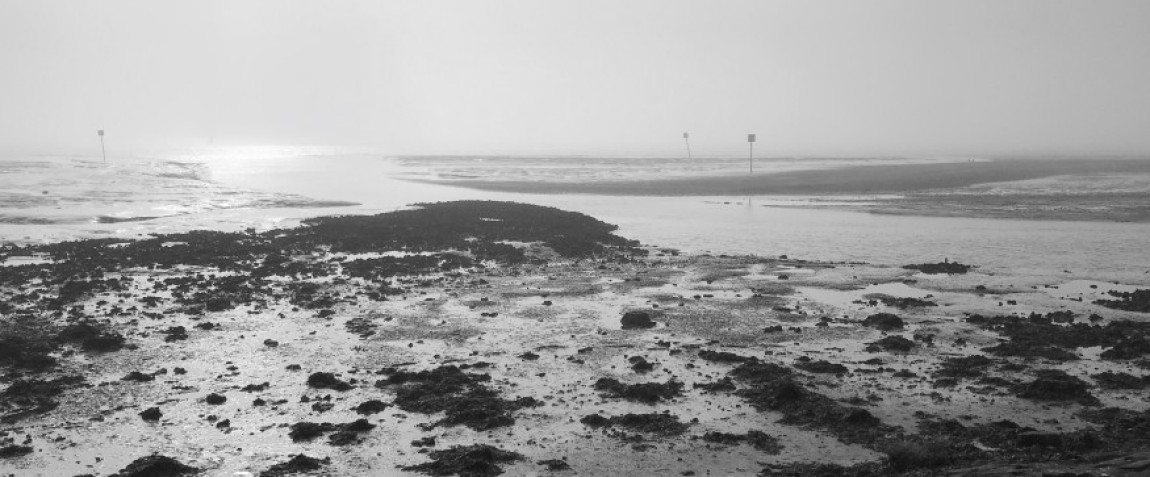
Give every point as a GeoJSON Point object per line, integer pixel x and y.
{"type": "Point", "coordinates": [809, 77]}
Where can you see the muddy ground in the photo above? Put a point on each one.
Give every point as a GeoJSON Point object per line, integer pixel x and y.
{"type": "Point", "coordinates": [480, 338]}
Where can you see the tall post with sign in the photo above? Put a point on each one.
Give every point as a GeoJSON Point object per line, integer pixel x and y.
{"type": "Point", "coordinates": [687, 140]}
{"type": "Point", "coordinates": [751, 153]}
{"type": "Point", "coordinates": [100, 132]}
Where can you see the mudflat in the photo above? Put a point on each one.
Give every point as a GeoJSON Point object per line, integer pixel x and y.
{"type": "Point", "coordinates": [480, 338]}
{"type": "Point", "coordinates": [862, 179]}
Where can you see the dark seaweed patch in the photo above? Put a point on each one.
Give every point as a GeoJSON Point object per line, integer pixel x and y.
{"type": "Point", "coordinates": [1056, 385]}
{"type": "Point", "coordinates": [298, 464]}
{"type": "Point", "coordinates": [1137, 300]}
{"type": "Point", "coordinates": [463, 397]}
{"type": "Point", "coordinates": [1118, 380]}
{"type": "Point", "coordinates": [883, 321]}
{"type": "Point", "coordinates": [1050, 336]}
{"type": "Point", "coordinates": [155, 466]}
{"type": "Point", "coordinates": [723, 356]}
{"type": "Point", "coordinates": [772, 387]}
{"type": "Point", "coordinates": [947, 267]}
{"type": "Point", "coordinates": [757, 439]}
{"type": "Point", "coordinates": [648, 393]}
{"type": "Point", "coordinates": [27, 396]}
{"type": "Point", "coordinates": [822, 367]}
{"type": "Point", "coordinates": [477, 460]}
{"type": "Point", "coordinates": [891, 343]}
{"type": "Point", "coordinates": [652, 423]}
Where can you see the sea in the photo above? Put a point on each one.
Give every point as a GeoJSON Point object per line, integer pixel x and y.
{"type": "Point", "coordinates": [48, 197]}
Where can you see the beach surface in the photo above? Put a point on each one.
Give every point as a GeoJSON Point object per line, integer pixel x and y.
{"type": "Point", "coordinates": [1100, 189]}
{"type": "Point", "coordinates": [491, 337]}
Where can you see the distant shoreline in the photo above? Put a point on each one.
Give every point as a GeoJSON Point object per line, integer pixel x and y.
{"type": "Point", "coordinates": [877, 179]}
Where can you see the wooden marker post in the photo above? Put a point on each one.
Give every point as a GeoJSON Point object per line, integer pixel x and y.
{"type": "Point", "coordinates": [100, 132]}
{"type": "Point", "coordinates": [751, 154]}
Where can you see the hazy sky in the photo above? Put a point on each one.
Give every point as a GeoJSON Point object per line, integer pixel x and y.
{"type": "Point", "coordinates": [626, 77]}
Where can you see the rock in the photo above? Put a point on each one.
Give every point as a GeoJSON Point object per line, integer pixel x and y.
{"type": "Point", "coordinates": [637, 320]}
{"type": "Point", "coordinates": [215, 399]}
{"type": "Point", "coordinates": [270, 343]}
{"type": "Point", "coordinates": [151, 414]}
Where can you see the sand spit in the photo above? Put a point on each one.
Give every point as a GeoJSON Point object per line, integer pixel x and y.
{"type": "Point", "coordinates": [851, 179]}
{"type": "Point", "coordinates": [479, 338]}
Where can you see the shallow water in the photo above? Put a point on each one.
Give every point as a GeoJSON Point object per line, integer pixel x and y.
{"type": "Point", "coordinates": [237, 188]}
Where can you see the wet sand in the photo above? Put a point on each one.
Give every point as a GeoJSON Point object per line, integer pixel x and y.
{"type": "Point", "coordinates": [754, 363]}
{"type": "Point", "coordinates": [868, 179]}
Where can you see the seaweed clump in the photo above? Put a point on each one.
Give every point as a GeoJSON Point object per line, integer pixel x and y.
{"type": "Point", "coordinates": [1137, 300]}
{"type": "Point", "coordinates": [652, 423]}
{"type": "Point", "coordinates": [971, 366]}
{"type": "Point", "coordinates": [1118, 380]}
{"type": "Point", "coordinates": [299, 463]}
{"type": "Point", "coordinates": [1054, 336]}
{"type": "Point", "coordinates": [757, 439]}
{"type": "Point", "coordinates": [477, 460]}
{"type": "Point", "coordinates": [891, 343]}
{"type": "Point", "coordinates": [944, 267]}
{"type": "Point", "coordinates": [903, 303]}
{"type": "Point", "coordinates": [343, 434]}
{"type": "Point", "coordinates": [1056, 385]}
{"type": "Point", "coordinates": [773, 387]}
{"type": "Point", "coordinates": [883, 322]}
{"type": "Point", "coordinates": [463, 397]}
{"type": "Point", "coordinates": [724, 357]}
{"type": "Point", "coordinates": [648, 393]}
{"type": "Point", "coordinates": [324, 380]}
{"type": "Point", "coordinates": [155, 465]}
{"type": "Point", "coordinates": [822, 367]}
{"type": "Point", "coordinates": [32, 396]}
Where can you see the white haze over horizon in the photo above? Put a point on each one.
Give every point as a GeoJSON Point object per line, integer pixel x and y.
{"type": "Point", "coordinates": [844, 77]}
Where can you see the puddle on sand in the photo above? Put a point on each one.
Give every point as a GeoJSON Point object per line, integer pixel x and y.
{"type": "Point", "coordinates": [844, 299]}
